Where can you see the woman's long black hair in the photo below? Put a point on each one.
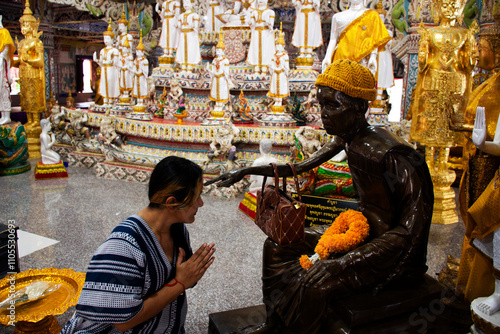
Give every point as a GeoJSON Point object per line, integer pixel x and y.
{"type": "Point", "coordinates": [181, 178]}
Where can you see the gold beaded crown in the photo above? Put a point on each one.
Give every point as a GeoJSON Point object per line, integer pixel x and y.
{"type": "Point", "coordinates": [140, 46]}
{"type": "Point", "coordinates": [350, 78]}
{"type": "Point", "coordinates": [27, 14]}
{"type": "Point", "coordinates": [380, 8]}
{"type": "Point", "coordinates": [109, 32]}
{"type": "Point", "coordinates": [221, 45]}
{"type": "Point", "coordinates": [123, 19]}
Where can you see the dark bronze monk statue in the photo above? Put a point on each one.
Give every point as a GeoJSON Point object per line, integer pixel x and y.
{"type": "Point", "coordinates": [395, 195]}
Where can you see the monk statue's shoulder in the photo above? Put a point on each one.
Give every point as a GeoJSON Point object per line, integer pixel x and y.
{"type": "Point", "coordinates": [375, 142]}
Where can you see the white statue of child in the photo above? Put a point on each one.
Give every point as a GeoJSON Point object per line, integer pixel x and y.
{"type": "Point", "coordinates": [49, 157]}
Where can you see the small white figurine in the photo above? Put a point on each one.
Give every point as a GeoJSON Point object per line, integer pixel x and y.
{"type": "Point", "coordinates": [7, 50]}
{"type": "Point", "coordinates": [219, 71]}
{"type": "Point", "coordinates": [308, 140]}
{"type": "Point", "coordinates": [126, 75]}
{"type": "Point", "coordinates": [124, 45]}
{"type": "Point", "coordinates": [141, 71]}
{"type": "Point", "coordinates": [188, 51]}
{"type": "Point", "coordinates": [307, 30]}
{"type": "Point", "coordinates": [109, 59]}
{"type": "Point", "coordinates": [49, 157]}
{"type": "Point", "coordinates": [279, 68]}
{"type": "Point", "coordinates": [124, 40]}
{"type": "Point", "coordinates": [312, 99]}
{"type": "Point", "coordinates": [266, 145]}
{"type": "Point", "coordinates": [222, 145]}
{"type": "Point", "coordinates": [174, 95]}
{"type": "Point", "coordinates": [261, 49]}
{"type": "Point", "coordinates": [169, 13]}
{"type": "Point", "coordinates": [76, 128]}
{"type": "Point", "coordinates": [107, 133]}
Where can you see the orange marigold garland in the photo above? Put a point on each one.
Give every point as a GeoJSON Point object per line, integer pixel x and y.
{"type": "Point", "coordinates": [347, 232]}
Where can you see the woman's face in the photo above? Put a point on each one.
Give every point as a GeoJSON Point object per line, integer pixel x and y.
{"type": "Point", "coordinates": [186, 214]}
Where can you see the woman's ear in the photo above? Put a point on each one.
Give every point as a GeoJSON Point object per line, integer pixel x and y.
{"type": "Point", "coordinates": [170, 201]}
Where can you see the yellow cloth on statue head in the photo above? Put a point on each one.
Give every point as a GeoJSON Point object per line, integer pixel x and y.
{"type": "Point", "coordinates": [350, 78]}
{"type": "Point", "coordinates": [361, 37]}
{"type": "Point", "coordinates": [6, 41]}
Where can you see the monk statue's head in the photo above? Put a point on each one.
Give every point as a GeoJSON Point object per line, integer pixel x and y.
{"type": "Point", "coordinates": [344, 90]}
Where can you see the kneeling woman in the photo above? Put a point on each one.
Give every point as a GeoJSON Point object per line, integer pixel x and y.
{"type": "Point", "coordinates": [137, 277]}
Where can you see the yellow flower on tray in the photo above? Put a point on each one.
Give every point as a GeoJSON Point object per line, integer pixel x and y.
{"type": "Point", "coordinates": [348, 231]}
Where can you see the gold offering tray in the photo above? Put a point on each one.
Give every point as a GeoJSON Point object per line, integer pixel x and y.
{"type": "Point", "coordinates": [54, 303]}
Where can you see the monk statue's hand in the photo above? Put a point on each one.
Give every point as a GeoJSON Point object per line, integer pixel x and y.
{"type": "Point", "coordinates": [320, 272]}
{"type": "Point", "coordinates": [479, 132]}
{"type": "Point", "coordinates": [227, 179]}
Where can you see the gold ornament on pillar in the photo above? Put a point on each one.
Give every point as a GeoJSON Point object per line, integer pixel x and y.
{"type": "Point", "coordinates": [31, 78]}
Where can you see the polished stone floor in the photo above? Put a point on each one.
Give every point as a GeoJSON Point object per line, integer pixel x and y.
{"type": "Point", "coordinates": [62, 222]}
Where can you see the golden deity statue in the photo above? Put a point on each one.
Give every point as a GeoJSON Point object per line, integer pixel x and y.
{"type": "Point", "coordinates": [475, 278]}
{"type": "Point", "coordinates": [447, 54]}
{"type": "Point", "coordinates": [31, 78]}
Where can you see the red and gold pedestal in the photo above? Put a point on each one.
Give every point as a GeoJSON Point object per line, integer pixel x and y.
{"type": "Point", "coordinates": [52, 171]}
{"type": "Point", "coordinates": [248, 205]}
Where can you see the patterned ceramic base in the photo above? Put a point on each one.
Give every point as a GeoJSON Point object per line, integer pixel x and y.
{"type": "Point", "coordinates": [122, 172]}
{"type": "Point", "coordinates": [281, 120]}
{"type": "Point", "coordinates": [140, 116]}
{"type": "Point", "coordinates": [84, 159]}
{"type": "Point", "coordinates": [215, 121]}
{"type": "Point", "coordinates": [120, 109]}
{"type": "Point", "coordinates": [63, 150]}
{"type": "Point", "coordinates": [302, 80]}
{"type": "Point", "coordinates": [196, 133]}
{"type": "Point", "coordinates": [101, 109]}
{"type": "Point", "coordinates": [378, 117]}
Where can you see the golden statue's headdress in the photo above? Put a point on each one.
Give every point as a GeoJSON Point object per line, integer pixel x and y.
{"type": "Point", "coordinates": [350, 78]}
{"type": "Point", "coordinates": [281, 36]}
{"type": "Point", "coordinates": [221, 45]}
{"type": "Point", "coordinates": [140, 46]}
{"type": "Point", "coordinates": [70, 99]}
{"type": "Point", "coordinates": [123, 19]}
{"type": "Point", "coordinates": [109, 32]}
{"type": "Point", "coordinates": [435, 7]}
{"type": "Point", "coordinates": [380, 8]}
{"type": "Point", "coordinates": [27, 14]}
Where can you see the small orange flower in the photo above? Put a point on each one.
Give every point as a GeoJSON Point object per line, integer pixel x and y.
{"type": "Point", "coordinates": [304, 262]}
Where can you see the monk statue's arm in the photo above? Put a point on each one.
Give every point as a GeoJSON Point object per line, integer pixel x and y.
{"type": "Point", "coordinates": [385, 258]}
{"type": "Point", "coordinates": [328, 151]}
